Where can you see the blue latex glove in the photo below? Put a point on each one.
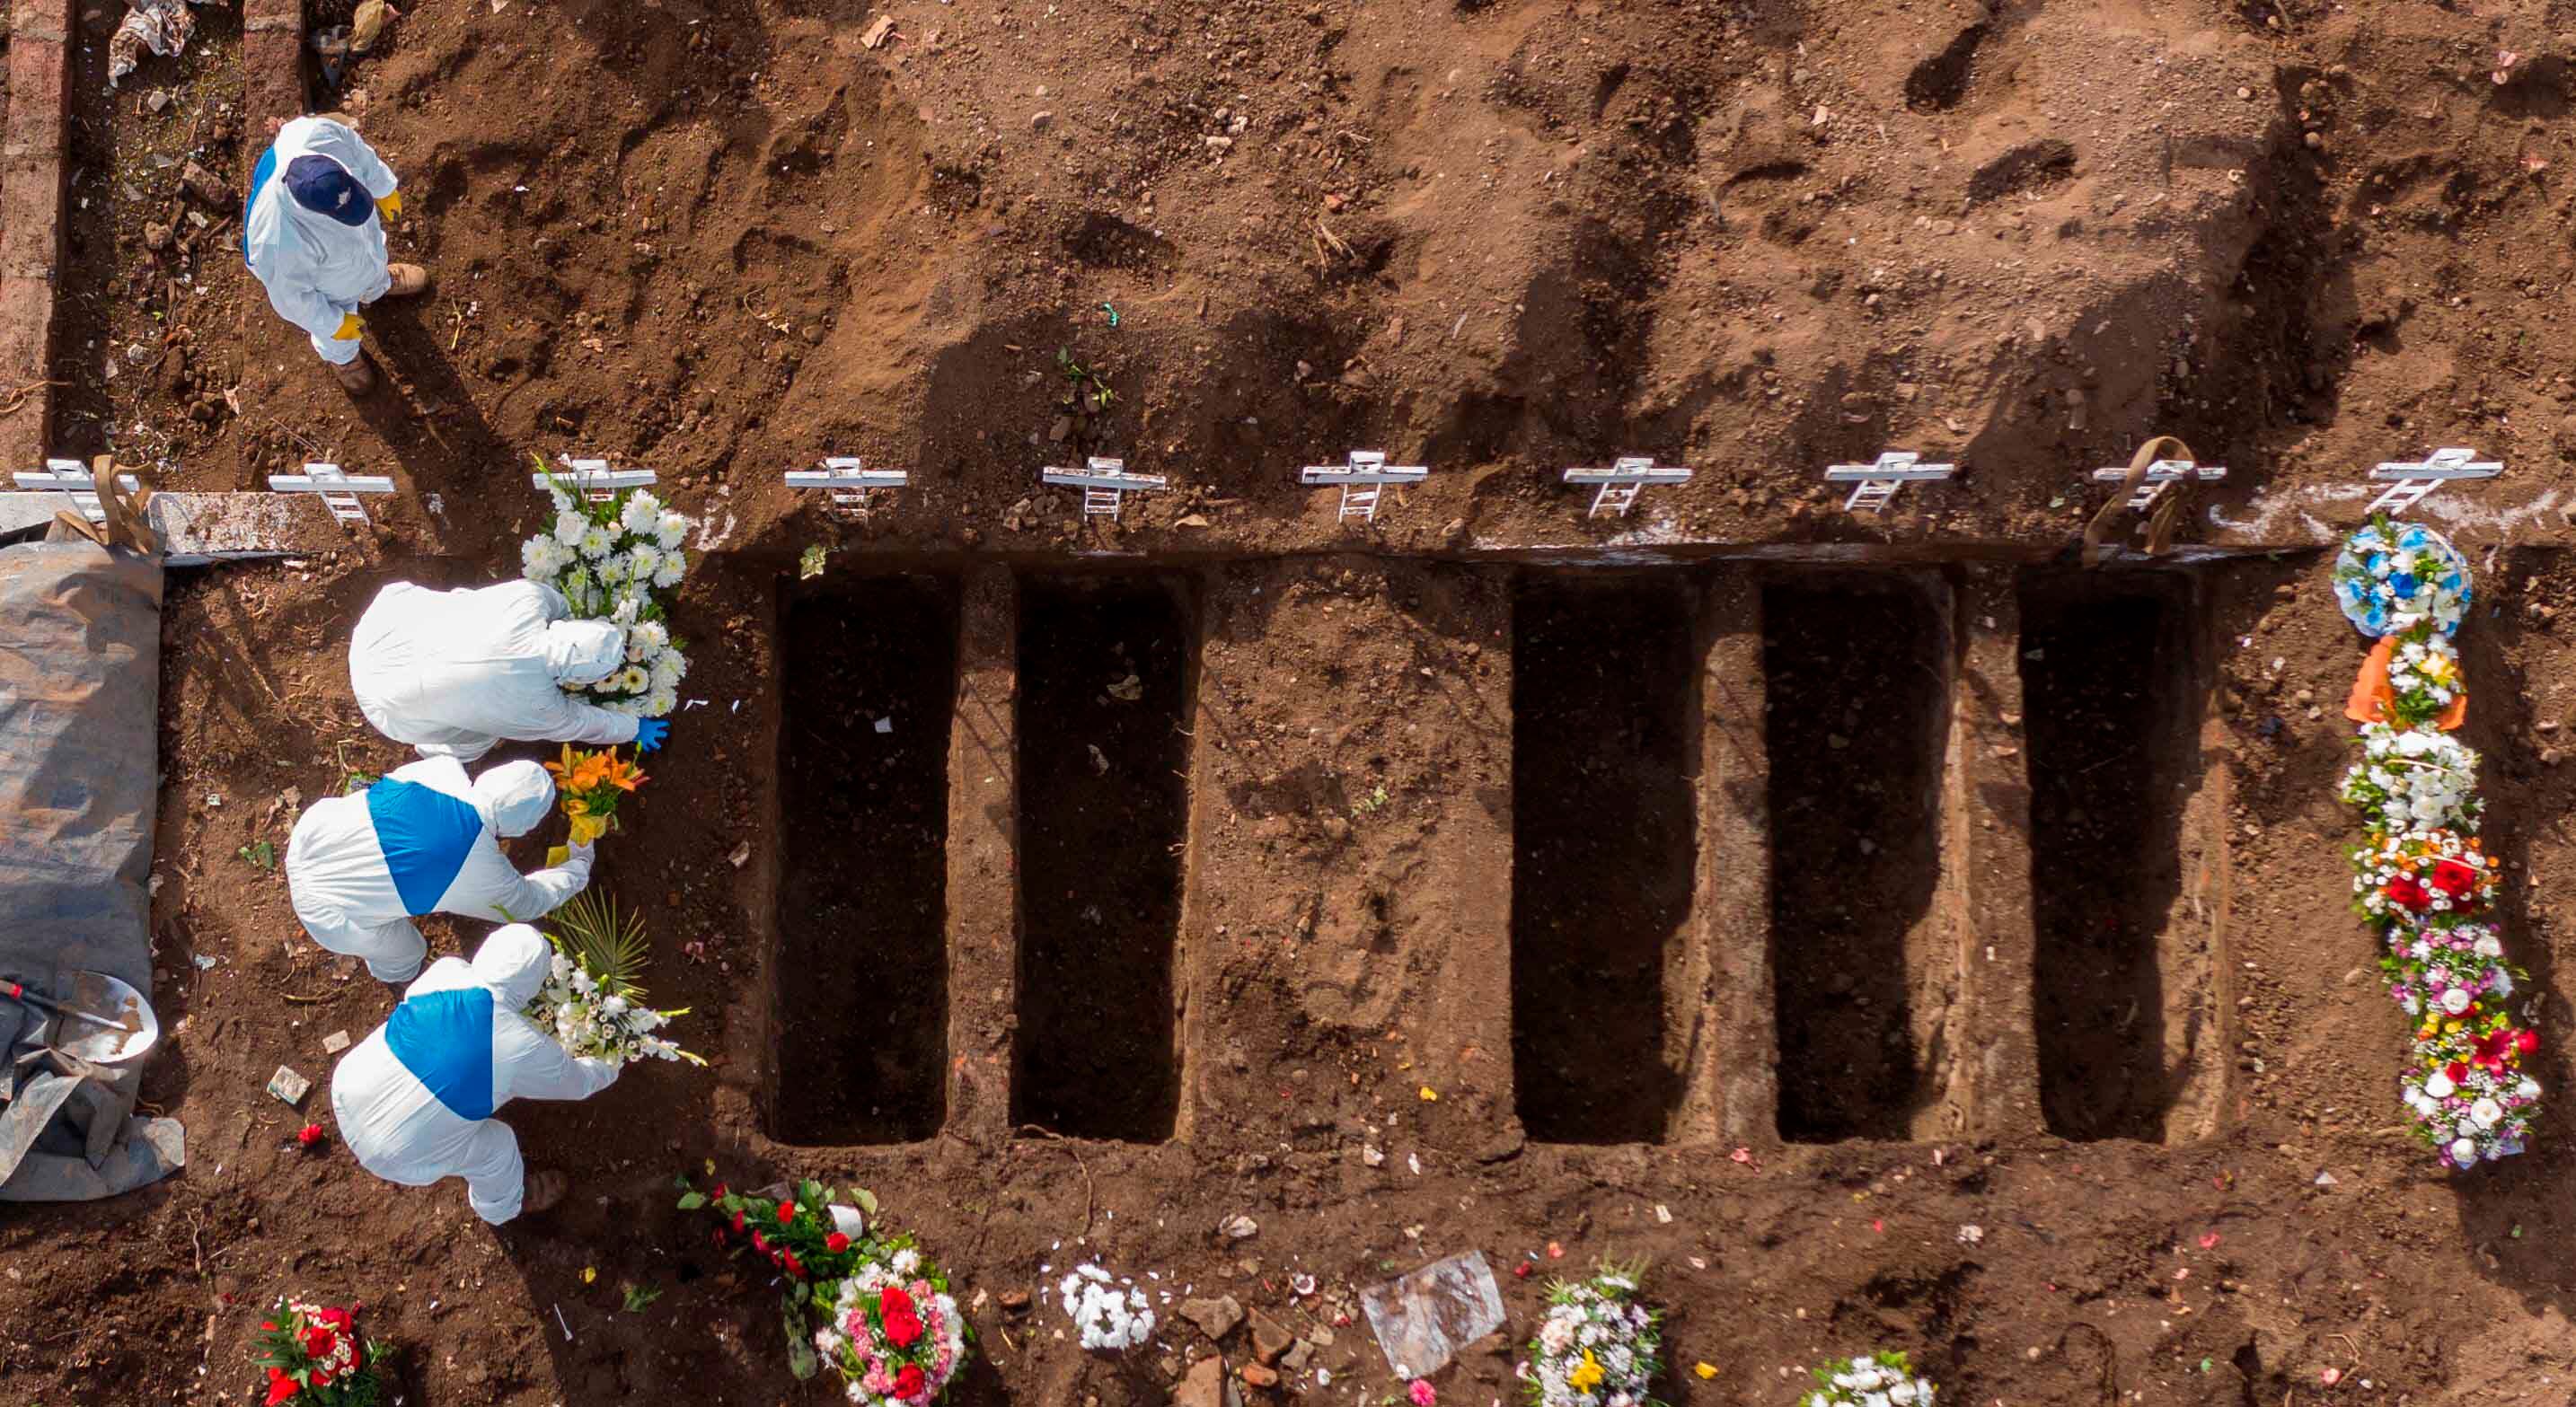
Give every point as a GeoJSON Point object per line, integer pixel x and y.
{"type": "Point", "coordinates": [649, 733]}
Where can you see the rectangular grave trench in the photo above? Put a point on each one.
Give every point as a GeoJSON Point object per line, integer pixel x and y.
{"type": "Point", "coordinates": [859, 1000]}
{"type": "Point", "coordinates": [1857, 676]}
{"type": "Point", "coordinates": [1605, 746]}
{"type": "Point", "coordinates": [1107, 676]}
{"type": "Point", "coordinates": [2109, 682]}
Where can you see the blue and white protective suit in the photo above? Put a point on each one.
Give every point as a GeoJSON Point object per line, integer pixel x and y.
{"type": "Point", "coordinates": [423, 840]}
{"type": "Point", "coordinates": [452, 672]}
{"type": "Point", "coordinates": [317, 270]}
{"type": "Point", "coordinates": [414, 1100]}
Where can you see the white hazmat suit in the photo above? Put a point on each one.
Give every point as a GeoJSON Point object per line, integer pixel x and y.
{"type": "Point", "coordinates": [318, 270]}
{"type": "Point", "coordinates": [453, 672]}
{"type": "Point", "coordinates": [414, 1100]}
{"type": "Point", "coordinates": [422, 840]}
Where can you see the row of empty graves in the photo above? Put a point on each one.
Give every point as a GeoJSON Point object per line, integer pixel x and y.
{"type": "Point", "coordinates": [1806, 854]}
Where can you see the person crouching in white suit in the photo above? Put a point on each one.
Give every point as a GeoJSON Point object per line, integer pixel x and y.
{"type": "Point", "coordinates": [422, 840]}
{"type": "Point", "coordinates": [453, 672]}
{"type": "Point", "coordinates": [415, 1099]}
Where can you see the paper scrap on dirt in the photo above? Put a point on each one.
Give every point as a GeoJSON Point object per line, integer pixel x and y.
{"type": "Point", "coordinates": [289, 1086]}
{"type": "Point", "coordinates": [1423, 1318]}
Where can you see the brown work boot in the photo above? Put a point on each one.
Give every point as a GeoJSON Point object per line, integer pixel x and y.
{"type": "Point", "coordinates": [358, 378]}
{"type": "Point", "coordinates": [543, 1192]}
{"type": "Point", "coordinates": [409, 280]}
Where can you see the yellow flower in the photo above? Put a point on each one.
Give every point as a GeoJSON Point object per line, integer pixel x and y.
{"type": "Point", "coordinates": [1587, 1377]}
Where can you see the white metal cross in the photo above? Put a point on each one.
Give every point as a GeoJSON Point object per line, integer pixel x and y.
{"type": "Point", "coordinates": [338, 492]}
{"type": "Point", "coordinates": [1105, 484]}
{"type": "Point", "coordinates": [2161, 475]}
{"type": "Point", "coordinates": [594, 480]}
{"type": "Point", "coordinates": [1363, 480]}
{"type": "Point", "coordinates": [1874, 485]}
{"type": "Point", "coordinates": [1627, 476]}
{"type": "Point", "coordinates": [848, 482]}
{"type": "Point", "coordinates": [73, 477]}
{"type": "Point", "coordinates": [2414, 481]}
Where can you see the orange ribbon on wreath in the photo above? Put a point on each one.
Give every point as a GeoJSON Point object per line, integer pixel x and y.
{"type": "Point", "coordinates": [2372, 694]}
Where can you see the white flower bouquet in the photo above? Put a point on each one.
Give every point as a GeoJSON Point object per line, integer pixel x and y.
{"type": "Point", "coordinates": [1105, 1316]}
{"type": "Point", "coordinates": [590, 1002]}
{"type": "Point", "coordinates": [2423, 678]}
{"type": "Point", "coordinates": [609, 559]}
{"type": "Point", "coordinates": [1598, 1346]}
{"type": "Point", "coordinates": [2392, 578]}
{"type": "Point", "coordinates": [2414, 778]}
{"type": "Point", "coordinates": [1878, 1380]}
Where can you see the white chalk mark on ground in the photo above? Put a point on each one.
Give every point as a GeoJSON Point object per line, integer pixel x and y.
{"type": "Point", "coordinates": [2454, 510]}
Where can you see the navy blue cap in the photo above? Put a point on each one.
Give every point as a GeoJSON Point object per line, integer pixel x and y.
{"type": "Point", "coordinates": [325, 187]}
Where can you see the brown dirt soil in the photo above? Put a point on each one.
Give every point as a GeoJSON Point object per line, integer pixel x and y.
{"type": "Point", "coordinates": [727, 239]}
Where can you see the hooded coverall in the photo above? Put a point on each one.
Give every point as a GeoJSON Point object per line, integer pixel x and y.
{"type": "Point", "coordinates": [453, 672]}
{"type": "Point", "coordinates": [414, 1100]}
{"type": "Point", "coordinates": [423, 840]}
{"type": "Point", "coordinates": [317, 271]}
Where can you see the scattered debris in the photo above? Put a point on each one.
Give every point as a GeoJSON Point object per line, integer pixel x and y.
{"type": "Point", "coordinates": [289, 1086]}
{"type": "Point", "coordinates": [1214, 1317]}
{"type": "Point", "coordinates": [335, 1043]}
{"type": "Point", "coordinates": [368, 24]}
{"type": "Point", "coordinates": [1240, 1228]}
{"type": "Point", "coordinates": [1204, 1387]}
{"type": "Point", "coordinates": [162, 26]}
{"type": "Point", "coordinates": [1423, 1318]}
{"type": "Point", "coordinates": [206, 187]}
{"type": "Point", "coordinates": [877, 32]}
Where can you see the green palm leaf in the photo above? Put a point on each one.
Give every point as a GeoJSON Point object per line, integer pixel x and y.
{"type": "Point", "coordinates": [594, 932]}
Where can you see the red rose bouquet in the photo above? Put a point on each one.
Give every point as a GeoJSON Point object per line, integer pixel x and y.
{"type": "Point", "coordinates": [810, 1240]}
{"type": "Point", "coordinates": [893, 1331]}
{"type": "Point", "coordinates": [316, 1357]}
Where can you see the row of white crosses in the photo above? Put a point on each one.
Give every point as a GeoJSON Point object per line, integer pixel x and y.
{"type": "Point", "coordinates": [338, 492]}
{"type": "Point", "coordinates": [1875, 485]}
{"type": "Point", "coordinates": [1363, 480]}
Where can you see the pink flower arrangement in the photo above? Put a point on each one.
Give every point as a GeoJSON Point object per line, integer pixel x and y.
{"type": "Point", "coordinates": [894, 1332]}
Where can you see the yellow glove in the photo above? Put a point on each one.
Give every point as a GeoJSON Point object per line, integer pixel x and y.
{"type": "Point", "coordinates": [348, 328]}
{"type": "Point", "coordinates": [390, 206]}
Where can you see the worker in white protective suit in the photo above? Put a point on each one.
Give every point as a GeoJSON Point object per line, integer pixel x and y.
{"type": "Point", "coordinates": [314, 233]}
{"type": "Point", "coordinates": [415, 1098]}
{"type": "Point", "coordinates": [453, 672]}
{"type": "Point", "coordinates": [422, 840]}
